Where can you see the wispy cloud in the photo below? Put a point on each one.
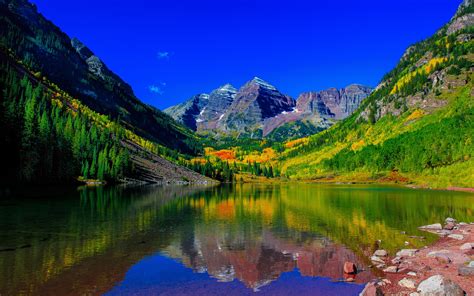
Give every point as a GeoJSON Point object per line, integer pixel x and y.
{"type": "Point", "coordinates": [157, 89]}
{"type": "Point", "coordinates": [164, 55]}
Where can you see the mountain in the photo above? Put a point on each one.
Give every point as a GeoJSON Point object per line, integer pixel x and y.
{"type": "Point", "coordinates": [77, 70]}
{"type": "Point", "coordinates": [316, 111]}
{"type": "Point", "coordinates": [417, 126]}
{"type": "Point", "coordinates": [64, 115]}
{"type": "Point", "coordinates": [258, 110]}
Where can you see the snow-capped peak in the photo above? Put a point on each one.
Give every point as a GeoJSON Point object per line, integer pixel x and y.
{"type": "Point", "coordinates": [263, 83]}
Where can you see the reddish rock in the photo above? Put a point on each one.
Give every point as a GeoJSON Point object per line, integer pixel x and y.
{"type": "Point", "coordinates": [371, 289]}
{"type": "Point", "coordinates": [449, 226]}
{"type": "Point", "coordinates": [350, 268]}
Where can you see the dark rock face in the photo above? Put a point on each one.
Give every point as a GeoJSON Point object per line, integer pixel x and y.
{"type": "Point", "coordinates": [187, 113]}
{"type": "Point", "coordinates": [319, 110]}
{"type": "Point", "coordinates": [218, 104]}
{"type": "Point", "coordinates": [333, 102]}
{"type": "Point", "coordinates": [256, 101]}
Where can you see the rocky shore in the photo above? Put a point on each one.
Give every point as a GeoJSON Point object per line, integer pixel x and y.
{"type": "Point", "coordinates": [443, 268]}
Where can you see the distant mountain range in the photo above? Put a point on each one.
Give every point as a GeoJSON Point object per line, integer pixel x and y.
{"type": "Point", "coordinates": [258, 109]}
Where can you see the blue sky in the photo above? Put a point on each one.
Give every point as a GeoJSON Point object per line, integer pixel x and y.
{"type": "Point", "coordinates": [169, 50]}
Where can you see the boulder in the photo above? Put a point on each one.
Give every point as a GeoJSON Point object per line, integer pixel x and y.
{"type": "Point", "coordinates": [407, 253]}
{"type": "Point", "coordinates": [371, 289]}
{"type": "Point", "coordinates": [350, 268]}
{"type": "Point", "coordinates": [436, 226]}
{"type": "Point", "coordinates": [407, 283]}
{"type": "Point", "coordinates": [438, 285]}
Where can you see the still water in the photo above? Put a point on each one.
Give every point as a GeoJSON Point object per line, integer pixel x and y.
{"type": "Point", "coordinates": [288, 239]}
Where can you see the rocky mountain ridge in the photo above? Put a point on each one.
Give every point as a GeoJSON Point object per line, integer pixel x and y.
{"type": "Point", "coordinates": [258, 108]}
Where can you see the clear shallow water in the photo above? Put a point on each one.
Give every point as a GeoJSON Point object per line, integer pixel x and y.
{"type": "Point", "coordinates": [289, 239]}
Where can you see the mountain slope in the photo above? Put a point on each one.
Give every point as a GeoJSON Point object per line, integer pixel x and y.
{"type": "Point", "coordinates": [417, 126]}
{"type": "Point", "coordinates": [75, 69]}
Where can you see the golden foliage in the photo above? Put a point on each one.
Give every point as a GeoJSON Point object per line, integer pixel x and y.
{"type": "Point", "coordinates": [426, 68]}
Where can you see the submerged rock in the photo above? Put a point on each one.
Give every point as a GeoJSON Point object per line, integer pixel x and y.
{"type": "Point", "coordinates": [437, 285]}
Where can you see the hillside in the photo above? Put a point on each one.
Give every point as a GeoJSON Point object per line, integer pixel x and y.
{"type": "Point", "coordinates": [72, 66]}
{"type": "Point", "coordinates": [417, 126]}
{"type": "Point", "coordinates": [65, 116]}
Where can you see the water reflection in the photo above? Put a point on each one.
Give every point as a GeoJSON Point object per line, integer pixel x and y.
{"type": "Point", "coordinates": [89, 241]}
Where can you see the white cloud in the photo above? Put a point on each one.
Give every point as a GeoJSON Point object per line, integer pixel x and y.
{"type": "Point", "coordinates": [164, 55]}
{"type": "Point", "coordinates": [156, 89]}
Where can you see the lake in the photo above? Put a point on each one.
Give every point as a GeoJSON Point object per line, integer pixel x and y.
{"type": "Point", "coordinates": [286, 239]}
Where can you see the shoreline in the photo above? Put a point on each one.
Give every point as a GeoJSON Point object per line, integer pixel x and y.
{"type": "Point", "coordinates": [414, 271]}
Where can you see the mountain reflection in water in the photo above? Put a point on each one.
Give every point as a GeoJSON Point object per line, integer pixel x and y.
{"type": "Point", "coordinates": [275, 239]}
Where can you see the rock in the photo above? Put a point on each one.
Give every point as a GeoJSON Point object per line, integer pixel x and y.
{"type": "Point", "coordinates": [407, 243]}
{"type": "Point", "coordinates": [437, 285]}
{"type": "Point", "coordinates": [371, 289]}
{"type": "Point", "coordinates": [450, 220]}
{"type": "Point", "coordinates": [391, 269]}
{"type": "Point", "coordinates": [436, 226]}
{"type": "Point", "coordinates": [407, 253]}
{"type": "Point", "coordinates": [464, 270]}
{"type": "Point", "coordinates": [411, 273]}
{"type": "Point", "coordinates": [376, 260]}
{"type": "Point", "coordinates": [467, 246]}
{"type": "Point", "coordinates": [381, 253]}
{"type": "Point", "coordinates": [434, 253]}
{"type": "Point", "coordinates": [471, 264]}
{"type": "Point", "coordinates": [456, 236]}
{"type": "Point", "coordinates": [443, 232]}
{"type": "Point", "coordinates": [407, 283]}
{"type": "Point", "coordinates": [449, 226]}
{"type": "Point", "coordinates": [396, 260]}
{"type": "Point", "coordinates": [443, 259]}
{"type": "Point", "coordinates": [350, 268]}
{"type": "Point", "coordinates": [414, 294]}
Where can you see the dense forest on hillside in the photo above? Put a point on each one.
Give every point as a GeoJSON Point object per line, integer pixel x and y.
{"type": "Point", "coordinates": [418, 122]}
